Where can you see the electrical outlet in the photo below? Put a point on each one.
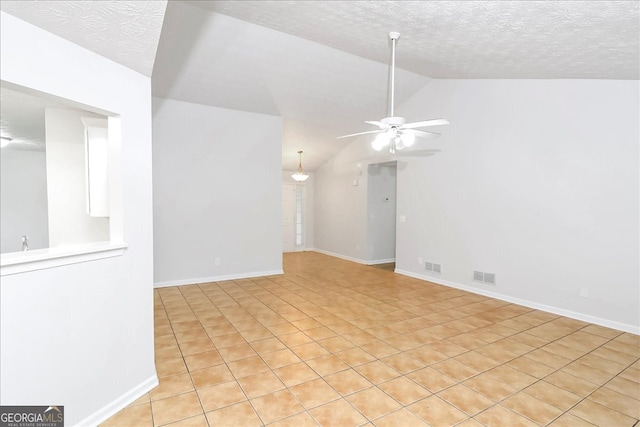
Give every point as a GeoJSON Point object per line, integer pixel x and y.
{"type": "Point", "coordinates": [217, 261]}
{"type": "Point", "coordinates": [584, 292]}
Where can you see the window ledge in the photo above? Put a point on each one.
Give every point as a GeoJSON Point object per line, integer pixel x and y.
{"type": "Point", "coordinates": [39, 259]}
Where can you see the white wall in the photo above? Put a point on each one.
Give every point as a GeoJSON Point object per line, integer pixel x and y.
{"type": "Point", "coordinates": [538, 183]}
{"type": "Point", "coordinates": [217, 187]}
{"type": "Point", "coordinates": [81, 335]}
{"type": "Point", "coordinates": [69, 222]}
{"type": "Point", "coordinates": [340, 204]}
{"type": "Point", "coordinates": [23, 205]}
{"type": "Point", "coordinates": [381, 212]}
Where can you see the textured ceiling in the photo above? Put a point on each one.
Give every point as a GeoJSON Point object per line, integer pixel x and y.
{"type": "Point", "coordinates": [126, 32]}
{"type": "Point", "coordinates": [467, 39]}
{"type": "Point", "coordinates": [322, 65]}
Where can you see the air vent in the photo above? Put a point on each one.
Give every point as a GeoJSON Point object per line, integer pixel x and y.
{"type": "Point", "coordinates": [432, 266]}
{"type": "Point", "coordinates": [488, 278]}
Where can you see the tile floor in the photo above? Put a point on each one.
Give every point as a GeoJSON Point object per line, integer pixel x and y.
{"type": "Point", "coordinates": [334, 343]}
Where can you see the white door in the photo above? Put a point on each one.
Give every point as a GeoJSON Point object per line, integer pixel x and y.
{"type": "Point", "coordinates": [288, 217]}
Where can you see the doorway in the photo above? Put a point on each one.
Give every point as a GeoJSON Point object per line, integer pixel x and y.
{"type": "Point", "coordinates": [381, 212]}
{"type": "Point", "coordinates": [293, 217]}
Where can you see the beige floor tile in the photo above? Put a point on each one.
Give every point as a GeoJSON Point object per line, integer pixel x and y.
{"type": "Point", "coordinates": [336, 344]}
{"type": "Point", "coordinates": [314, 393]}
{"type": "Point", "coordinates": [327, 365]}
{"type": "Point", "coordinates": [355, 356]}
{"type": "Point", "coordinates": [437, 412]}
{"type": "Point", "coordinates": [377, 372]}
{"type": "Point", "coordinates": [300, 420]}
{"type": "Point", "coordinates": [276, 406]}
{"type": "Point", "coordinates": [347, 382]}
{"type": "Point", "coordinates": [401, 417]}
{"type": "Point", "coordinates": [139, 415]}
{"type": "Point", "coordinates": [168, 367]}
{"type": "Point", "coordinates": [513, 377]}
{"type": "Point", "coordinates": [295, 339]}
{"type": "Point", "coordinates": [203, 360]}
{"type": "Point", "coordinates": [490, 387]}
{"type": "Point", "coordinates": [571, 383]}
{"type": "Point", "coordinates": [267, 345]}
{"type": "Point", "coordinates": [260, 384]}
{"type": "Point", "coordinates": [454, 369]}
{"type": "Point", "coordinates": [236, 352]}
{"type": "Point", "coordinates": [431, 379]}
{"type": "Point", "coordinates": [373, 403]}
{"type": "Point", "coordinates": [620, 402]}
{"type": "Point", "coordinates": [194, 347]}
{"type": "Point", "coordinates": [465, 399]}
{"type": "Point", "coordinates": [238, 415]}
{"type": "Point", "coordinates": [476, 361]}
{"type": "Point", "coordinates": [309, 351]}
{"type": "Point", "coordinates": [553, 395]}
{"type": "Point", "coordinates": [197, 421]}
{"type": "Point", "coordinates": [534, 409]}
{"type": "Point", "coordinates": [600, 415]}
{"type": "Point", "coordinates": [362, 328]}
{"type": "Point", "coordinates": [211, 376]}
{"type": "Point", "coordinates": [404, 390]}
{"type": "Point", "coordinates": [295, 374]}
{"type": "Point", "coordinates": [170, 386]}
{"type": "Point", "coordinates": [249, 366]}
{"type": "Point", "coordinates": [338, 413]}
{"type": "Point", "coordinates": [176, 408]}
{"type": "Point", "coordinates": [279, 358]}
{"type": "Point", "coordinates": [220, 395]}
{"type": "Point", "coordinates": [403, 363]}
{"type": "Point", "coordinates": [191, 335]}
{"type": "Point", "coordinates": [568, 420]}
{"type": "Point", "coordinates": [499, 416]}
{"type": "Point", "coordinates": [624, 386]}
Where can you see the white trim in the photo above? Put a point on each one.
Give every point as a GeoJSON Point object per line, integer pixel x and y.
{"type": "Point", "coordinates": [381, 261]}
{"type": "Point", "coordinates": [348, 258]}
{"type": "Point", "coordinates": [120, 403]}
{"type": "Point", "coordinates": [21, 262]}
{"type": "Point", "coordinates": [531, 304]}
{"type": "Point", "coordinates": [196, 280]}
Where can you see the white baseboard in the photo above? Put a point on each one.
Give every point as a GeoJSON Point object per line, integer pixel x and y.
{"type": "Point", "coordinates": [120, 403]}
{"type": "Point", "coordinates": [345, 257]}
{"type": "Point", "coordinates": [531, 304]}
{"type": "Point", "coordinates": [196, 280]}
{"type": "Point", "coordinates": [381, 261]}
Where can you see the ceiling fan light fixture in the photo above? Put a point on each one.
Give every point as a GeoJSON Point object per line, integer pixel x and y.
{"type": "Point", "coordinates": [380, 141]}
{"type": "Point", "coordinates": [300, 176]}
{"type": "Point", "coordinates": [5, 141]}
{"type": "Point", "coordinates": [408, 139]}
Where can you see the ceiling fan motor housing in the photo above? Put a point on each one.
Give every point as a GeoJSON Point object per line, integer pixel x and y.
{"type": "Point", "coordinates": [393, 121]}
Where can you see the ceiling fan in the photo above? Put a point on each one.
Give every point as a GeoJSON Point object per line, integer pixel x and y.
{"type": "Point", "coordinates": [393, 131]}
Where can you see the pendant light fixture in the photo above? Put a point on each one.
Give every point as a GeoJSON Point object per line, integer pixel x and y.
{"type": "Point", "coordinates": [300, 175]}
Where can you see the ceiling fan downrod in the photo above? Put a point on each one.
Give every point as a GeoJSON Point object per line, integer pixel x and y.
{"type": "Point", "coordinates": [393, 36]}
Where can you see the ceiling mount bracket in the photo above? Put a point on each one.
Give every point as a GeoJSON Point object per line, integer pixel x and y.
{"type": "Point", "coordinates": [394, 35]}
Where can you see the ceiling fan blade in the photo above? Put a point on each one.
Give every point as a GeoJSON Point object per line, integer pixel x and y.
{"type": "Point", "coordinates": [425, 123]}
{"type": "Point", "coordinates": [361, 133]}
{"type": "Point", "coordinates": [377, 123]}
{"type": "Point", "coordinates": [420, 133]}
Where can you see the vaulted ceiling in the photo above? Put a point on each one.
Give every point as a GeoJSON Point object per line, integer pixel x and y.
{"type": "Point", "coordinates": [322, 65]}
